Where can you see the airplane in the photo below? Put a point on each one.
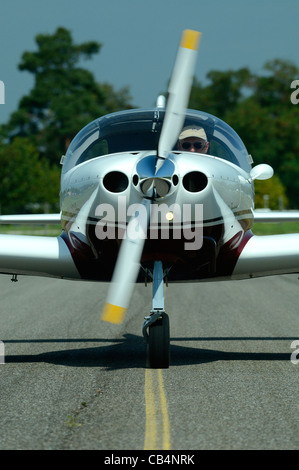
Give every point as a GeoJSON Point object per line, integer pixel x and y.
{"type": "Point", "coordinates": [135, 207]}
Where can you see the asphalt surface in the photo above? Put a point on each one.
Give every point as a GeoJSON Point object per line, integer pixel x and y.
{"type": "Point", "coordinates": [70, 381]}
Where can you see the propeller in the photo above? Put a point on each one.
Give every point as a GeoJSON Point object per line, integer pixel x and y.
{"type": "Point", "coordinates": [128, 261]}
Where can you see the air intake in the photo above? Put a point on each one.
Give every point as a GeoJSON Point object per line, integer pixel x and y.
{"type": "Point", "coordinates": [195, 181]}
{"type": "Point", "coordinates": [116, 182]}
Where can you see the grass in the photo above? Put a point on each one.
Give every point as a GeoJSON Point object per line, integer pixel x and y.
{"type": "Point", "coordinates": [41, 230]}
{"type": "Point", "coordinates": [275, 228]}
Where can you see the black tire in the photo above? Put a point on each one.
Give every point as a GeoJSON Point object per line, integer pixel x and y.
{"type": "Point", "coordinates": [158, 348]}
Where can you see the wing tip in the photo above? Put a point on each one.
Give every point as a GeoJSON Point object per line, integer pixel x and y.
{"type": "Point", "coordinates": [113, 314]}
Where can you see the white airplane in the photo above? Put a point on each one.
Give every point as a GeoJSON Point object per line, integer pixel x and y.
{"type": "Point", "coordinates": [137, 206]}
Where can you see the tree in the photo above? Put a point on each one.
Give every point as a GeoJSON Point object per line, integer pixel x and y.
{"type": "Point", "coordinates": [223, 93]}
{"type": "Point", "coordinates": [65, 97]}
{"type": "Point", "coordinates": [251, 122]}
{"type": "Point", "coordinates": [272, 89]}
{"type": "Point", "coordinates": [270, 193]}
{"type": "Point", "coordinates": [258, 107]}
{"type": "Point", "coordinates": [26, 178]}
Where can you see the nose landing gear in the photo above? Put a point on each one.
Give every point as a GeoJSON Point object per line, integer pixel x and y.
{"type": "Point", "coordinates": [157, 323]}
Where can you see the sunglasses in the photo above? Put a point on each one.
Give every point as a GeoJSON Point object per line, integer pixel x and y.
{"type": "Point", "coordinates": [196, 145]}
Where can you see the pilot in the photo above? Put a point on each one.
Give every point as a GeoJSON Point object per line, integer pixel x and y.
{"type": "Point", "coordinates": [193, 139]}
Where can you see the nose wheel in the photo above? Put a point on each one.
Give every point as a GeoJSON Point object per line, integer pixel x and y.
{"type": "Point", "coordinates": [156, 325]}
{"type": "Point", "coordinates": [158, 354]}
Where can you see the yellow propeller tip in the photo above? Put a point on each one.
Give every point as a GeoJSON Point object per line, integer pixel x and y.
{"type": "Point", "coordinates": [113, 314]}
{"type": "Point", "coordinates": [190, 39]}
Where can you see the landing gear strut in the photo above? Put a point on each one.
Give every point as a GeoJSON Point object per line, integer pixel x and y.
{"type": "Point", "coordinates": [157, 323]}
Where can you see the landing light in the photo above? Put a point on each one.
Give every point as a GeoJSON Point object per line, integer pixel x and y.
{"type": "Point", "coordinates": [169, 216]}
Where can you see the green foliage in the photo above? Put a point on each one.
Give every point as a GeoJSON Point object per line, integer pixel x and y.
{"type": "Point", "coordinates": [26, 178]}
{"type": "Point", "coordinates": [258, 107]}
{"type": "Point", "coordinates": [56, 53]}
{"type": "Point", "coordinates": [275, 228]}
{"type": "Point", "coordinates": [65, 97]}
{"type": "Point", "coordinates": [270, 194]}
{"type": "Point", "coordinates": [222, 93]}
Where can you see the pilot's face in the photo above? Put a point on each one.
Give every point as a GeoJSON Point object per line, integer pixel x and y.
{"type": "Point", "coordinates": [193, 144]}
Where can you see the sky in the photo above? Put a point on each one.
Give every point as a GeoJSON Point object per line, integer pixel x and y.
{"type": "Point", "coordinates": [140, 39]}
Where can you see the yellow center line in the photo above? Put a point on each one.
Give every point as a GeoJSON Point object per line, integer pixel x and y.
{"type": "Point", "coordinates": [166, 432]}
{"type": "Point", "coordinates": [157, 432]}
{"type": "Point", "coordinates": [150, 413]}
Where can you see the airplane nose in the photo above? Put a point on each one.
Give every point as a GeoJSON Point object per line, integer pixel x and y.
{"type": "Point", "coordinates": [161, 181]}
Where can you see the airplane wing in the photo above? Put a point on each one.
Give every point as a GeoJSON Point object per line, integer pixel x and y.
{"type": "Point", "coordinates": [30, 219]}
{"type": "Point", "coordinates": [275, 216]}
{"type": "Point", "coordinates": [268, 255]}
{"type": "Point", "coordinates": [36, 256]}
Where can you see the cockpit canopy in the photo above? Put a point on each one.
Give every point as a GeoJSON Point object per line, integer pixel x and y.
{"type": "Point", "coordinates": [139, 130]}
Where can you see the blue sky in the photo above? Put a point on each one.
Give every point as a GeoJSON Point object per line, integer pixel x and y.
{"type": "Point", "coordinates": [140, 38]}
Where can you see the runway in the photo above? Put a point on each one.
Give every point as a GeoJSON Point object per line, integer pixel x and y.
{"type": "Point", "coordinates": [71, 381]}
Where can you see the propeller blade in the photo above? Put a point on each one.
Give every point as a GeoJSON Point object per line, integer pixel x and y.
{"type": "Point", "coordinates": [179, 93]}
{"type": "Point", "coordinates": [127, 266]}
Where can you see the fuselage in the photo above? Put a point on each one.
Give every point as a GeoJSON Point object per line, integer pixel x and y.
{"type": "Point", "coordinates": [201, 205]}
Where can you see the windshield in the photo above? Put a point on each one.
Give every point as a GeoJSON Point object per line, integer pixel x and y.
{"type": "Point", "coordinates": [137, 130]}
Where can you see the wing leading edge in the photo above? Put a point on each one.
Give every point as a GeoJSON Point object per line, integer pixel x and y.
{"type": "Point", "coordinates": [31, 219]}
{"type": "Point", "coordinates": [276, 216]}
{"type": "Point", "coordinates": [268, 255]}
{"type": "Point", "coordinates": [36, 256]}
